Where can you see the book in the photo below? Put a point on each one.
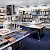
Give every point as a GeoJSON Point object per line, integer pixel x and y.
{"type": "Point", "coordinates": [10, 39]}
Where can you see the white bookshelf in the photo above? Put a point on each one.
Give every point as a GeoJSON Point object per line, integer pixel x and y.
{"type": "Point", "coordinates": [10, 31]}
{"type": "Point", "coordinates": [3, 47]}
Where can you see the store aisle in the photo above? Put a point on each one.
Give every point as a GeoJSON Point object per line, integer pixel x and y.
{"type": "Point", "coordinates": [34, 44]}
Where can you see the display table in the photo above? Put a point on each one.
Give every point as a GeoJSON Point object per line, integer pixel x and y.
{"type": "Point", "coordinates": [9, 44]}
{"type": "Point", "coordinates": [12, 36]}
{"type": "Point", "coordinates": [38, 27]}
{"type": "Point", "coordinates": [28, 23]}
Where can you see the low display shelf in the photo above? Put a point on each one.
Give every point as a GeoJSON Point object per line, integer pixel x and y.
{"type": "Point", "coordinates": [14, 42]}
{"type": "Point", "coordinates": [10, 31]}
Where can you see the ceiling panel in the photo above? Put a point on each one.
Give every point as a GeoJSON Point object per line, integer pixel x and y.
{"type": "Point", "coordinates": [24, 2]}
{"type": "Point", "coordinates": [44, 2]}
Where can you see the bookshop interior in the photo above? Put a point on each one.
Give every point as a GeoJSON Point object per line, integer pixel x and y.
{"type": "Point", "coordinates": [24, 25]}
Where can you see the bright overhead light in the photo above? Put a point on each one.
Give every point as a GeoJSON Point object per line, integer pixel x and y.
{"type": "Point", "coordinates": [14, 1]}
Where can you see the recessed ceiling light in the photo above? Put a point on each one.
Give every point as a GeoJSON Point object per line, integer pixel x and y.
{"type": "Point", "coordinates": [21, 7]}
{"type": "Point", "coordinates": [27, 6]}
{"type": "Point", "coordinates": [35, 5]}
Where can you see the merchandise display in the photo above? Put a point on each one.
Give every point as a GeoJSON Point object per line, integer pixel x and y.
{"type": "Point", "coordinates": [4, 31]}
{"type": "Point", "coordinates": [10, 39]}
{"type": "Point", "coordinates": [17, 36]}
{"type": "Point", "coordinates": [26, 18]}
{"type": "Point", "coordinates": [8, 25]}
{"type": "Point", "coordinates": [3, 42]}
{"type": "Point", "coordinates": [21, 18]}
{"type": "Point", "coordinates": [23, 32]}
{"type": "Point", "coordinates": [2, 14]}
{"type": "Point", "coordinates": [40, 25]}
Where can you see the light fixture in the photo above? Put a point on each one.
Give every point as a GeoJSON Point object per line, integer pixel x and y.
{"type": "Point", "coordinates": [14, 1]}
{"type": "Point", "coordinates": [35, 5]}
{"type": "Point", "coordinates": [21, 7]}
{"type": "Point", "coordinates": [44, 5]}
{"type": "Point", "coordinates": [27, 6]}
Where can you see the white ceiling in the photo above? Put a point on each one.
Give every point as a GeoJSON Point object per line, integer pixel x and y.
{"type": "Point", "coordinates": [24, 2]}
